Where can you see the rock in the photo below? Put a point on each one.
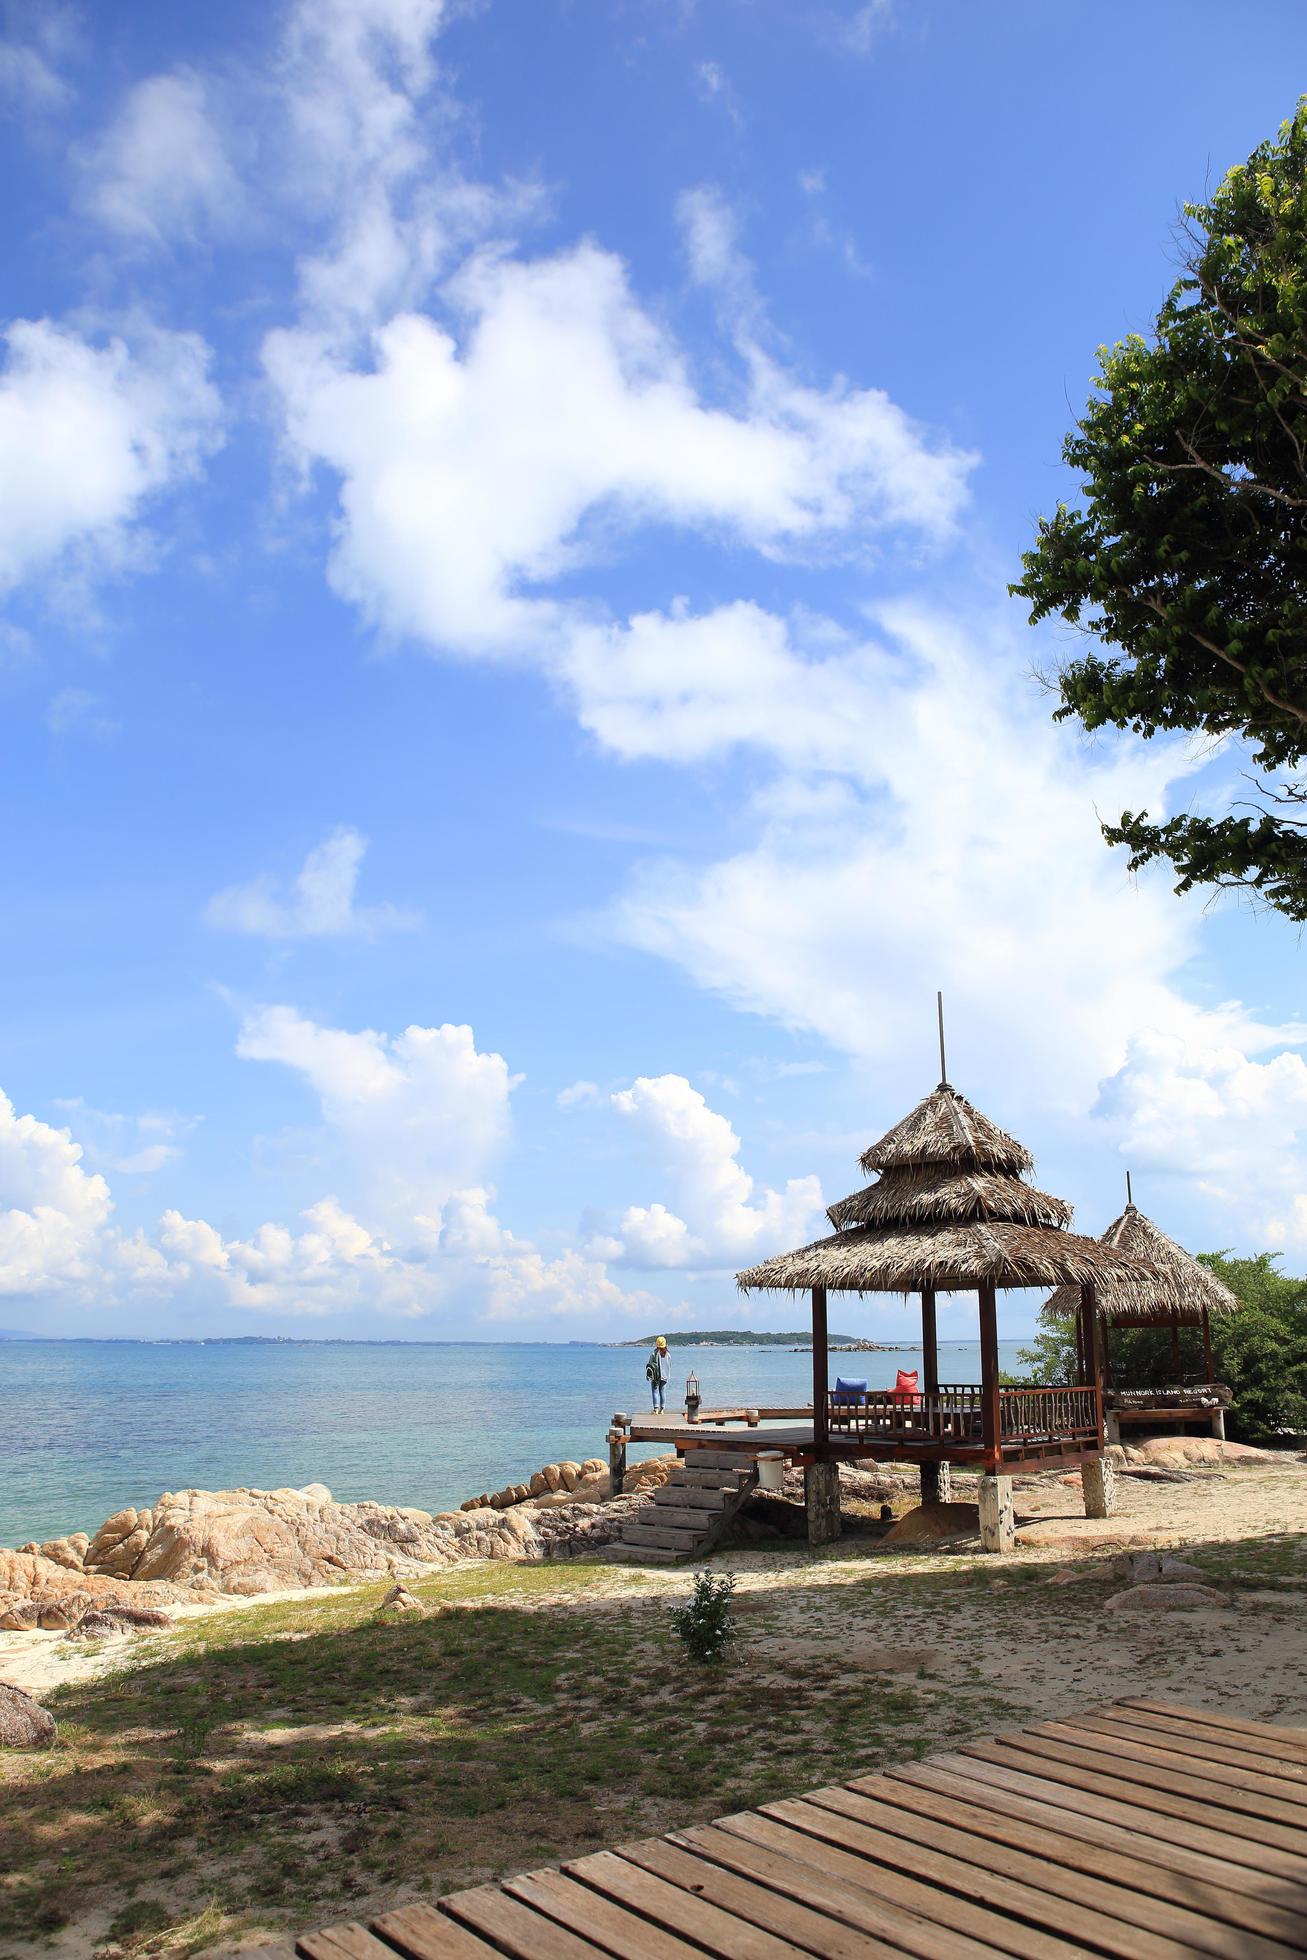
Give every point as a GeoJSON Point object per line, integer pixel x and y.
{"type": "Point", "coordinates": [67, 1551]}
{"type": "Point", "coordinates": [1166, 1598]}
{"type": "Point", "coordinates": [1174, 1569]}
{"type": "Point", "coordinates": [24, 1724]}
{"type": "Point", "coordinates": [538, 1485]}
{"type": "Point", "coordinates": [935, 1521]}
{"type": "Point", "coordinates": [570, 1473]}
{"type": "Point", "coordinates": [594, 1466]}
{"type": "Point", "coordinates": [1186, 1452]}
{"type": "Point", "coordinates": [111, 1533]}
{"type": "Point", "coordinates": [553, 1476]}
{"type": "Point", "coordinates": [650, 1474]}
{"type": "Point", "coordinates": [400, 1600]}
{"type": "Point", "coordinates": [97, 1626]}
{"type": "Point", "coordinates": [120, 1560]}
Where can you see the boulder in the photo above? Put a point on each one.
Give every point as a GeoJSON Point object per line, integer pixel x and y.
{"type": "Point", "coordinates": [120, 1560]}
{"type": "Point", "coordinates": [97, 1626]}
{"type": "Point", "coordinates": [1188, 1452]}
{"type": "Point", "coordinates": [24, 1724]}
{"type": "Point", "coordinates": [111, 1533]}
{"type": "Point", "coordinates": [1165, 1598]}
{"type": "Point", "coordinates": [649, 1475]}
{"type": "Point", "coordinates": [931, 1522]}
{"type": "Point", "coordinates": [400, 1600]}
{"type": "Point", "coordinates": [553, 1476]}
{"type": "Point", "coordinates": [68, 1552]}
{"type": "Point", "coordinates": [570, 1474]}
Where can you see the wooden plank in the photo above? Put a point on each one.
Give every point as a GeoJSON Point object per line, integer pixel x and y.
{"type": "Point", "coordinates": [699, 1917]}
{"type": "Point", "coordinates": [877, 1921]}
{"type": "Point", "coordinates": [666, 1537]}
{"type": "Point", "coordinates": [282, 1950]}
{"type": "Point", "coordinates": [1251, 1791]}
{"type": "Point", "coordinates": [1127, 1889]}
{"type": "Point", "coordinates": [1209, 1747]}
{"type": "Point", "coordinates": [707, 1479]}
{"type": "Point", "coordinates": [562, 1897]}
{"type": "Point", "coordinates": [916, 1889]}
{"type": "Point", "coordinates": [692, 1497]}
{"type": "Point", "coordinates": [806, 1931]}
{"type": "Point", "coordinates": [1285, 1744]}
{"type": "Point", "coordinates": [699, 1524]}
{"type": "Point", "coordinates": [1243, 1812]}
{"type": "Point", "coordinates": [1115, 1779]}
{"type": "Point", "coordinates": [348, 1942]}
{"type": "Point", "coordinates": [515, 1929]}
{"type": "Point", "coordinates": [1268, 1731]}
{"type": "Point", "coordinates": [1193, 1853]}
{"type": "Point", "coordinates": [419, 1932]}
{"type": "Point", "coordinates": [1022, 1886]}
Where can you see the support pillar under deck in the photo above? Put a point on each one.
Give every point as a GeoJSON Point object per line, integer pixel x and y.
{"type": "Point", "coordinates": [821, 1490]}
{"type": "Point", "coordinates": [1098, 1481]}
{"type": "Point", "coordinates": [998, 1531]}
{"type": "Point", "coordinates": [936, 1483]}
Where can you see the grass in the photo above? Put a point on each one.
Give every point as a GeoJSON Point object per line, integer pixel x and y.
{"type": "Point", "coordinates": [309, 1760]}
{"type": "Point", "coordinates": [277, 1765]}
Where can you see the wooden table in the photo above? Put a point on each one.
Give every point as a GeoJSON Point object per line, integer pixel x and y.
{"type": "Point", "coordinates": [1141, 1830]}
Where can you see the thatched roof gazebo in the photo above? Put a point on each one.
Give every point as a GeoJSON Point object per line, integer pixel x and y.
{"type": "Point", "coordinates": [1181, 1293]}
{"type": "Point", "coordinates": [951, 1210]}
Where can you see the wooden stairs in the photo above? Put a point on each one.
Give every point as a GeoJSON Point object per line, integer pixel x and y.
{"type": "Point", "coordinates": [691, 1511]}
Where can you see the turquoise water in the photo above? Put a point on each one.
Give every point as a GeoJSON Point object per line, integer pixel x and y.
{"type": "Point", "coordinates": [91, 1426]}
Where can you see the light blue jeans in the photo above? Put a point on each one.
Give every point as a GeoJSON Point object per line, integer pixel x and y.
{"type": "Point", "coordinates": [656, 1389]}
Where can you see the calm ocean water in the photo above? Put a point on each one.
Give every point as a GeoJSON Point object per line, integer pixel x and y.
{"type": "Point", "coordinates": [94, 1425]}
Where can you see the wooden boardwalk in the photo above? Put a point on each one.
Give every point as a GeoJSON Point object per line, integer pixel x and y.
{"type": "Point", "coordinates": [1140, 1830]}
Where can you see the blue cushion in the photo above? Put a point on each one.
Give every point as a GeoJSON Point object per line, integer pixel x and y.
{"type": "Point", "coordinates": [843, 1387]}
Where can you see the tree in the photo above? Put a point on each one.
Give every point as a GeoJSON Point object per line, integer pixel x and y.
{"type": "Point", "coordinates": [1188, 564]}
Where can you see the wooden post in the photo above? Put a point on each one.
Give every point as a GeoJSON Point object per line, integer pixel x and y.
{"type": "Point", "coordinates": [820, 1370]}
{"type": "Point", "coordinates": [929, 1342]}
{"type": "Point", "coordinates": [1208, 1362]}
{"type": "Point", "coordinates": [1093, 1372]}
{"type": "Point", "coordinates": [616, 1460]}
{"type": "Point", "coordinates": [1082, 1367]}
{"type": "Point", "coordinates": [990, 1418]}
{"type": "Point", "coordinates": [1175, 1349]}
{"type": "Point", "coordinates": [1107, 1351]}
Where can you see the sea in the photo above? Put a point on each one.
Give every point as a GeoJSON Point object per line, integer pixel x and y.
{"type": "Point", "coordinates": [92, 1426]}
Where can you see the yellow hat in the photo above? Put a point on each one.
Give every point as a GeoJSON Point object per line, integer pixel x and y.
{"type": "Point", "coordinates": [661, 1341]}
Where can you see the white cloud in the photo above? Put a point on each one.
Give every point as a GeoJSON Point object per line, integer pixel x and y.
{"type": "Point", "coordinates": [89, 433]}
{"type": "Point", "coordinates": [133, 1146]}
{"type": "Point", "coordinates": [334, 1264]}
{"type": "Point", "coordinates": [474, 472]}
{"type": "Point", "coordinates": [862, 31]}
{"type": "Point", "coordinates": [31, 59]}
{"type": "Point", "coordinates": [578, 1093]}
{"type": "Point", "coordinates": [721, 1218]}
{"type": "Point", "coordinates": [53, 1214]}
{"type": "Point", "coordinates": [321, 904]}
{"type": "Point", "coordinates": [160, 171]}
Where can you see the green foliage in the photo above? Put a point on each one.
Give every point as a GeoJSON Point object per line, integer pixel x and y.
{"type": "Point", "coordinates": [706, 1623]}
{"type": "Point", "coordinates": [1260, 1353]}
{"type": "Point", "coordinates": [1189, 562]}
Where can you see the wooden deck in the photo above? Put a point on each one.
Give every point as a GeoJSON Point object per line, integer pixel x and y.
{"type": "Point", "coordinates": [1140, 1830]}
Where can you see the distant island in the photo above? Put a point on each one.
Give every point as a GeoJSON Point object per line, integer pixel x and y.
{"type": "Point", "coordinates": [743, 1337]}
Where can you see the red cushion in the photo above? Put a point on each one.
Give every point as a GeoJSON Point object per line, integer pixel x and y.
{"type": "Point", "coordinates": [907, 1382]}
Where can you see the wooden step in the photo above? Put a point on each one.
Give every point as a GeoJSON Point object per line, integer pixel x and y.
{"type": "Point", "coordinates": [708, 1459]}
{"type": "Point", "coordinates": [709, 1479]}
{"type": "Point", "coordinates": [672, 1540]}
{"type": "Point", "coordinates": [693, 1497]}
{"type": "Point", "coordinates": [643, 1554]}
{"type": "Point", "coordinates": [698, 1523]}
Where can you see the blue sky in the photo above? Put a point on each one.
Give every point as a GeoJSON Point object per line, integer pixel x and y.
{"type": "Point", "coordinates": [512, 708]}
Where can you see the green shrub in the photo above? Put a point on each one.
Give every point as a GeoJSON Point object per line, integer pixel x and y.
{"type": "Point", "coordinates": [706, 1623]}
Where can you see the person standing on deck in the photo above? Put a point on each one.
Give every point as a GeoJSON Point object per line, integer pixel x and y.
{"type": "Point", "coordinates": [658, 1368]}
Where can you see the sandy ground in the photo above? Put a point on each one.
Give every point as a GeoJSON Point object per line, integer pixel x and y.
{"type": "Point", "coordinates": [1222, 1507]}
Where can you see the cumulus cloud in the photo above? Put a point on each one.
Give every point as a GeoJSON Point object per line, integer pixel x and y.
{"type": "Point", "coordinates": [721, 1218]}
{"type": "Point", "coordinates": [160, 171]}
{"type": "Point", "coordinates": [53, 1213]}
{"type": "Point", "coordinates": [90, 432]}
{"type": "Point", "coordinates": [474, 471]}
{"type": "Point", "coordinates": [131, 1146]}
{"type": "Point", "coordinates": [321, 903]}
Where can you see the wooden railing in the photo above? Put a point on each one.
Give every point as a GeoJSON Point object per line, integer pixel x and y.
{"type": "Point", "coordinates": [953, 1413]}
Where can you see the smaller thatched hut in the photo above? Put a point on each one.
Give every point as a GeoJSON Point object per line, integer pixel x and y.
{"type": "Point", "coordinates": [1181, 1293]}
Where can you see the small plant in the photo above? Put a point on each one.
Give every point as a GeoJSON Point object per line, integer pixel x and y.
{"type": "Point", "coordinates": [706, 1623]}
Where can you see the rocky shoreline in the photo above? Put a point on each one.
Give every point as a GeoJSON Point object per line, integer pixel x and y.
{"type": "Point", "coordinates": [196, 1547]}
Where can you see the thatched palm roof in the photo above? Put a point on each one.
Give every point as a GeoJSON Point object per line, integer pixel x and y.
{"type": "Point", "coordinates": [947, 1257]}
{"type": "Point", "coordinates": [1178, 1291]}
{"type": "Point", "coordinates": [934, 1195]}
{"type": "Point", "coordinates": [950, 1210]}
{"type": "Point", "coordinates": [945, 1129]}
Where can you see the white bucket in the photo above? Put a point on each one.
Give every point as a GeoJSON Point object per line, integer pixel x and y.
{"type": "Point", "coordinates": [771, 1469]}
